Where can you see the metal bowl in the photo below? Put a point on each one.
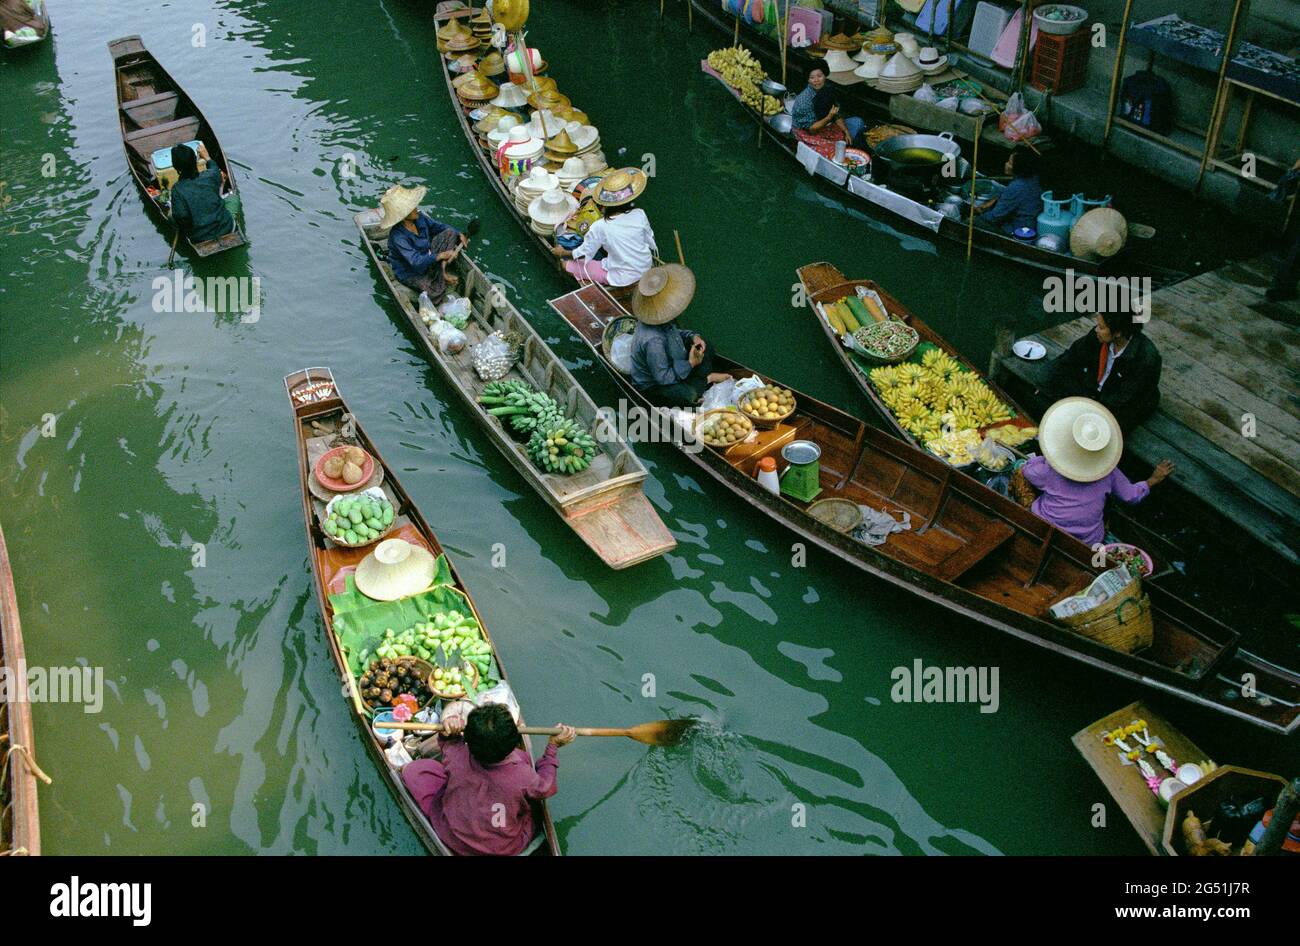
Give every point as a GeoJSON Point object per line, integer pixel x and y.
{"type": "Point", "coordinates": [801, 451]}
{"type": "Point", "coordinates": [782, 122]}
{"type": "Point", "coordinates": [772, 87]}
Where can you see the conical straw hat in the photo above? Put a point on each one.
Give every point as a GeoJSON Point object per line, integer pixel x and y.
{"type": "Point", "coordinates": [492, 64]}
{"type": "Point", "coordinates": [571, 114]}
{"type": "Point", "coordinates": [1102, 231]}
{"type": "Point", "coordinates": [839, 61]}
{"type": "Point", "coordinates": [550, 99]}
{"type": "Point", "coordinates": [491, 118]}
{"type": "Point", "coordinates": [478, 89]}
{"type": "Point", "coordinates": [451, 29]}
{"type": "Point", "coordinates": [1080, 439]}
{"type": "Point", "coordinates": [840, 41]}
{"type": "Point", "coordinates": [663, 293]}
{"type": "Point", "coordinates": [395, 569]}
{"type": "Point", "coordinates": [562, 144]}
{"type": "Point", "coordinates": [462, 44]}
{"type": "Point", "coordinates": [511, 96]}
{"type": "Point", "coordinates": [398, 202]}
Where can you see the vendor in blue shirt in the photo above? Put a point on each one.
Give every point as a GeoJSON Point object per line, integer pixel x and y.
{"type": "Point", "coordinates": [671, 366]}
{"type": "Point", "coordinates": [1021, 201]}
{"type": "Point", "coordinates": [420, 249]}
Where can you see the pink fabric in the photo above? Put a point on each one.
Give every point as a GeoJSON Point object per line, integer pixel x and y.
{"type": "Point", "coordinates": [591, 270]}
{"type": "Point", "coordinates": [1004, 53]}
{"type": "Point", "coordinates": [481, 809]}
{"type": "Point", "coordinates": [823, 142]}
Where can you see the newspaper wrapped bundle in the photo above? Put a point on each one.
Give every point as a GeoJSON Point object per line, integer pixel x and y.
{"type": "Point", "coordinates": [1112, 611]}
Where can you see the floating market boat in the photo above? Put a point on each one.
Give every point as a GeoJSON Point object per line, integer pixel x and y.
{"type": "Point", "coordinates": [968, 549]}
{"type": "Point", "coordinates": [20, 826]}
{"type": "Point", "coordinates": [604, 504]}
{"type": "Point", "coordinates": [918, 213]}
{"type": "Point", "coordinates": [1182, 781]}
{"type": "Point", "coordinates": [23, 22]}
{"type": "Point", "coordinates": [155, 114]}
{"type": "Point", "coordinates": [322, 421]}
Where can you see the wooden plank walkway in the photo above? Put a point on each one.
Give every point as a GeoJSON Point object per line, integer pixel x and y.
{"type": "Point", "coordinates": [1227, 353]}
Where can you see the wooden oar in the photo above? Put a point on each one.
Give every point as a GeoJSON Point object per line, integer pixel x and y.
{"type": "Point", "coordinates": [663, 732]}
{"type": "Point", "coordinates": [172, 255]}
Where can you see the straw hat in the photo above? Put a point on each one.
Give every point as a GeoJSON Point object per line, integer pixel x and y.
{"type": "Point", "coordinates": [571, 114]}
{"type": "Point", "coordinates": [594, 161]}
{"type": "Point", "coordinates": [899, 67]}
{"type": "Point", "coordinates": [492, 115]}
{"type": "Point", "coordinates": [501, 133]}
{"type": "Point", "coordinates": [839, 61]}
{"type": "Point", "coordinates": [622, 187]}
{"type": "Point", "coordinates": [478, 88]}
{"type": "Point", "coordinates": [511, 96]}
{"type": "Point", "coordinates": [663, 293]}
{"type": "Point", "coordinates": [451, 29]}
{"type": "Point", "coordinates": [562, 145]}
{"type": "Point", "coordinates": [398, 202]}
{"type": "Point", "coordinates": [553, 207]}
{"type": "Point", "coordinates": [1102, 231]}
{"type": "Point", "coordinates": [929, 61]}
{"type": "Point", "coordinates": [871, 66]}
{"type": "Point", "coordinates": [492, 65]}
{"type": "Point", "coordinates": [463, 43]}
{"type": "Point", "coordinates": [395, 569]}
{"type": "Point", "coordinates": [571, 172]}
{"type": "Point", "coordinates": [586, 137]}
{"type": "Point", "coordinates": [549, 99]}
{"type": "Point", "coordinates": [881, 40]}
{"type": "Point", "coordinates": [907, 43]}
{"type": "Point", "coordinates": [1080, 439]}
{"type": "Point", "coordinates": [539, 84]}
{"type": "Point", "coordinates": [465, 63]}
{"type": "Point", "coordinates": [841, 42]}
{"type": "Point", "coordinates": [538, 180]}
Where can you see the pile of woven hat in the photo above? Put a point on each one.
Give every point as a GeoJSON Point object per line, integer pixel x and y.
{"type": "Point", "coordinates": [550, 210]}
{"type": "Point", "coordinates": [533, 185]}
{"type": "Point", "coordinates": [455, 38]}
{"type": "Point", "coordinates": [474, 88]}
{"type": "Point", "coordinates": [897, 62]}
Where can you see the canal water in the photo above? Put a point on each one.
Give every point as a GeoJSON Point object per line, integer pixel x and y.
{"type": "Point", "coordinates": [148, 484]}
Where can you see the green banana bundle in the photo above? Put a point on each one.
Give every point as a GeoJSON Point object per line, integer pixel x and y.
{"type": "Point", "coordinates": [526, 408]}
{"type": "Point", "coordinates": [562, 447]}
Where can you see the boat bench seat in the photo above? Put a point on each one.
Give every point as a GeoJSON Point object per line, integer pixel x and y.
{"type": "Point", "coordinates": [150, 110]}
{"type": "Point", "coordinates": [145, 141]}
{"type": "Point", "coordinates": [989, 539]}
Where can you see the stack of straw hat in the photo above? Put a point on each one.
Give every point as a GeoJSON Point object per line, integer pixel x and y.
{"type": "Point", "coordinates": [476, 88]}
{"type": "Point", "coordinates": [520, 153]}
{"type": "Point", "coordinates": [501, 133]}
{"type": "Point", "coordinates": [460, 41]}
{"type": "Point", "coordinates": [492, 65]}
{"type": "Point", "coordinates": [571, 173]}
{"type": "Point", "coordinates": [511, 96]}
{"type": "Point", "coordinates": [900, 74]}
{"type": "Point", "coordinates": [559, 149]}
{"type": "Point", "coordinates": [453, 29]}
{"type": "Point", "coordinates": [550, 210]}
{"type": "Point", "coordinates": [550, 99]}
{"type": "Point", "coordinates": [481, 25]}
{"type": "Point", "coordinates": [489, 119]}
{"type": "Point", "coordinates": [533, 185]}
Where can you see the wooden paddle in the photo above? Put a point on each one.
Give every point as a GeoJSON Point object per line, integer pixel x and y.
{"type": "Point", "coordinates": [663, 732]}
{"type": "Point", "coordinates": [172, 255]}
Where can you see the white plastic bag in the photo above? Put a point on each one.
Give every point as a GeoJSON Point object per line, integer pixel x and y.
{"type": "Point", "coordinates": [973, 106]}
{"type": "Point", "coordinates": [450, 339]}
{"type": "Point", "coordinates": [455, 309]}
{"type": "Point", "coordinates": [491, 358]}
{"type": "Point", "coordinates": [949, 104]}
{"type": "Point", "coordinates": [925, 93]}
{"type": "Point", "coordinates": [1018, 122]}
{"type": "Point", "coordinates": [428, 312]}
{"type": "Point", "coordinates": [620, 353]}
{"type": "Point", "coordinates": [745, 385]}
{"type": "Point", "coordinates": [722, 394]}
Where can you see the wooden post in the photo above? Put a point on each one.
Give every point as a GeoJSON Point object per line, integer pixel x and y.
{"type": "Point", "coordinates": [1216, 113]}
{"type": "Point", "coordinates": [1022, 51]}
{"type": "Point", "coordinates": [661, 9]}
{"type": "Point", "coordinates": [1284, 812]}
{"type": "Point", "coordinates": [735, 39]}
{"type": "Point", "coordinates": [785, 38]}
{"type": "Point", "coordinates": [681, 257]}
{"type": "Point", "coordinates": [1115, 73]}
{"type": "Point", "coordinates": [974, 170]}
{"type": "Point", "coordinates": [690, 16]}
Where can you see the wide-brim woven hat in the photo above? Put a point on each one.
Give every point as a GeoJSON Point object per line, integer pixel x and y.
{"type": "Point", "coordinates": [837, 60]}
{"type": "Point", "coordinates": [871, 66]}
{"type": "Point", "coordinates": [840, 41]}
{"type": "Point", "coordinates": [1080, 439]}
{"type": "Point", "coordinates": [571, 114]}
{"type": "Point", "coordinates": [500, 134]}
{"type": "Point", "coordinates": [586, 137]}
{"type": "Point", "coordinates": [398, 202]}
{"type": "Point", "coordinates": [492, 116]}
{"type": "Point", "coordinates": [550, 99]}
{"type": "Point", "coordinates": [492, 64]}
{"type": "Point", "coordinates": [395, 569]}
{"type": "Point", "coordinates": [511, 96]}
{"type": "Point", "coordinates": [622, 187]}
{"type": "Point", "coordinates": [663, 293]}
{"type": "Point", "coordinates": [451, 29]}
{"type": "Point", "coordinates": [553, 207]}
{"type": "Point", "coordinates": [479, 88]}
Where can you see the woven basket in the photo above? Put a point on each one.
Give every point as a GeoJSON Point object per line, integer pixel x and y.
{"type": "Point", "coordinates": [1123, 623]}
{"type": "Point", "coordinates": [841, 515]}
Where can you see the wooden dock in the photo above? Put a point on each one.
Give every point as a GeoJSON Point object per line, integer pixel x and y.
{"type": "Point", "coordinates": [1227, 353]}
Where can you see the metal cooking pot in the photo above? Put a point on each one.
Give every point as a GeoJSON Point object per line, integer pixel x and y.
{"type": "Point", "coordinates": [772, 87]}
{"type": "Point", "coordinates": [915, 174]}
{"type": "Point", "coordinates": [782, 122]}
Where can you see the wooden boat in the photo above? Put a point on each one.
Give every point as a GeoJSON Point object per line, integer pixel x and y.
{"type": "Point", "coordinates": [486, 160]}
{"type": "Point", "coordinates": [1160, 826]}
{"type": "Point", "coordinates": [17, 15]}
{"type": "Point", "coordinates": [154, 112]}
{"type": "Point", "coordinates": [603, 504]}
{"type": "Point", "coordinates": [321, 420]}
{"type": "Point", "coordinates": [20, 826]}
{"type": "Point", "coordinates": [969, 549]}
{"type": "Point", "coordinates": [899, 206]}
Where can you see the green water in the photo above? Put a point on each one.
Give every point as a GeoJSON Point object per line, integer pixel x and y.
{"type": "Point", "coordinates": [173, 429]}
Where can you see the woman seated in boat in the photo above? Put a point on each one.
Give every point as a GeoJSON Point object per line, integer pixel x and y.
{"type": "Point", "coordinates": [198, 208]}
{"type": "Point", "coordinates": [619, 248]}
{"type": "Point", "coordinates": [1079, 469]}
{"type": "Point", "coordinates": [479, 795]}
{"type": "Point", "coordinates": [420, 248]}
{"type": "Point", "coordinates": [815, 115]}
{"type": "Point", "coordinates": [1021, 201]}
{"type": "Point", "coordinates": [671, 366]}
{"type": "Point", "coordinates": [1115, 364]}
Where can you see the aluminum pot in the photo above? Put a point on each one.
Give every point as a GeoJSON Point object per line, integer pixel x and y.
{"type": "Point", "coordinates": [782, 122]}
{"type": "Point", "coordinates": [887, 167]}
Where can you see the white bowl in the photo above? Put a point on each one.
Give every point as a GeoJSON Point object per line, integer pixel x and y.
{"type": "Point", "coordinates": [1060, 27]}
{"type": "Point", "coordinates": [1029, 349]}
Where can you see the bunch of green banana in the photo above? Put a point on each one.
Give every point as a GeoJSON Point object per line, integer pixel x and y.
{"type": "Point", "coordinates": [525, 407]}
{"type": "Point", "coordinates": [563, 447]}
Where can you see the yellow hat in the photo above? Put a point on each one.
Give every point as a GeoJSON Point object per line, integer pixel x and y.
{"type": "Point", "coordinates": [395, 569]}
{"type": "Point", "coordinates": [622, 187]}
{"type": "Point", "coordinates": [663, 293]}
{"type": "Point", "coordinates": [398, 202]}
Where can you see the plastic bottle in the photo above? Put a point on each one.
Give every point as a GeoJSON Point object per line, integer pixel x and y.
{"type": "Point", "coordinates": [767, 477]}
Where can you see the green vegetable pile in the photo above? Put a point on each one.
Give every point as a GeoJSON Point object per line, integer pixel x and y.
{"type": "Point", "coordinates": [559, 444]}
{"type": "Point", "coordinates": [356, 520]}
{"type": "Point", "coordinates": [450, 641]}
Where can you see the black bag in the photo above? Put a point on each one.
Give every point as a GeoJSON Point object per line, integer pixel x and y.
{"type": "Point", "coordinates": [1147, 100]}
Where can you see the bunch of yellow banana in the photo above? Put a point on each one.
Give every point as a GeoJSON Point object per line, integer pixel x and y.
{"type": "Point", "coordinates": [924, 396]}
{"type": "Point", "coordinates": [740, 70]}
{"type": "Point", "coordinates": [1009, 435]}
{"type": "Point", "coordinates": [958, 447]}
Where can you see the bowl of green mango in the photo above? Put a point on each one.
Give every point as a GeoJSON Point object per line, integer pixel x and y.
{"type": "Point", "coordinates": [356, 520]}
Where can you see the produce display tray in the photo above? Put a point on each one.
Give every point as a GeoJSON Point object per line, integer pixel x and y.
{"type": "Point", "coordinates": [1202, 47]}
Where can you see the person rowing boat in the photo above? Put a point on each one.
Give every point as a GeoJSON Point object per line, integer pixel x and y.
{"type": "Point", "coordinates": [199, 209]}
{"type": "Point", "coordinates": [420, 248]}
{"type": "Point", "coordinates": [478, 796]}
{"type": "Point", "coordinates": [672, 366]}
{"type": "Point", "coordinates": [619, 248]}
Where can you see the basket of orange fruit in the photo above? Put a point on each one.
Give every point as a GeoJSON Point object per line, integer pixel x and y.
{"type": "Point", "coordinates": [767, 406]}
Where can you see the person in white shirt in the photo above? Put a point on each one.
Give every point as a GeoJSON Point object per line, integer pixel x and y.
{"type": "Point", "coordinates": [623, 234]}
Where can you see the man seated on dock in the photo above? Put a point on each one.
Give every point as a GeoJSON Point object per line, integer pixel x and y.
{"type": "Point", "coordinates": [1021, 201]}
{"type": "Point", "coordinates": [420, 248]}
{"type": "Point", "coordinates": [1115, 364]}
{"type": "Point", "coordinates": [672, 366]}
{"type": "Point", "coordinates": [623, 234]}
{"type": "Point", "coordinates": [815, 115]}
{"type": "Point", "coordinates": [479, 796]}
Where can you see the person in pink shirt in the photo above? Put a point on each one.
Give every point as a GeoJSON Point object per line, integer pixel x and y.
{"type": "Point", "coordinates": [1082, 443]}
{"type": "Point", "coordinates": [479, 796]}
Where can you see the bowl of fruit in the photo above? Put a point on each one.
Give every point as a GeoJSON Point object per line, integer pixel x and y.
{"type": "Point", "coordinates": [449, 683]}
{"type": "Point", "coordinates": [723, 427]}
{"type": "Point", "coordinates": [359, 519]}
{"type": "Point", "coordinates": [767, 406]}
{"type": "Point", "coordinates": [343, 468]}
{"type": "Point", "coordinates": [1130, 556]}
{"type": "Point", "coordinates": [885, 343]}
{"type": "Point", "coordinates": [386, 679]}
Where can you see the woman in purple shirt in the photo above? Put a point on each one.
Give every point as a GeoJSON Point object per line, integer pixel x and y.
{"type": "Point", "coordinates": [1081, 443]}
{"type": "Point", "coordinates": [479, 796]}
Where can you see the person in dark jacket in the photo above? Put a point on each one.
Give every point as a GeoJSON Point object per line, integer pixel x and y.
{"type": "Point", "coordinates": [1021, 201]}
{"type": "Point", "coordinates": [1115, 364]}
{"type": "Point", "coordinates": [198, 208]}
{"type": "Point", "coordinates": [420, 249]}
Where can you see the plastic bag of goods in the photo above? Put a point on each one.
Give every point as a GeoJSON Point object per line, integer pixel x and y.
{"type": "Point", "coordinates": [745, 385]}
{"type": "Point", "coordinates": [620, 353]}
{"type": "Point", "coordinates": [949, 104]}
{"type": "Point", "coordinates": [450, 339]}
{"type": "Point", "coordinates": [925, 93]}
{"type": "Point", "coordinates": [721, 394]}
{"type": "Point", "coordinates": [455, 309]}
{"type": "Point", "coordinates": [428, 311]}
{"type": "Point", "coordinates": [501, 693]}
{"type": "Point", "coordinates": [1023, 128]}
{"type": "Point", "coordinates": [491, 358]}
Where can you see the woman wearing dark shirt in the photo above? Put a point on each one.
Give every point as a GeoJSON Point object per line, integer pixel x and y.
{"type": "Point", "coordinates": [198, 208]}
{"type": "Point", "coordinates": [420, 248]}
{"type": "Point", "coordinates": [1021, 201]}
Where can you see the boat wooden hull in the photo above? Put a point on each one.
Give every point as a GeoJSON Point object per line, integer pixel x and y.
{"type": "Point", "coordinates": [329, 562]}
{"type": "Point", "coordinates": [604, 505]}
{"type": "Point", "coordinates": [993, 242]}
{"type": "Point", "coordinates": [970, 550]}
{"type": "Point", "coordinates": [154, 112]}
{"type": "Point", "coordinates": [15, 15]}
{"type": "Point", "coordinates": [1160, 827]}
{"type": "Point", "coordinates": [20, 824]}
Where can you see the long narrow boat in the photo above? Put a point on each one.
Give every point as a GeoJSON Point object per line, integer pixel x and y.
{"type": "Point", "coordinates": [20, 826]}
{"type": "Point", "coordinates": [21, 26]}
{"type": "Point", "coordinates": [969, 549]}
{"type": "Point", "coordinates": [154, 112]}
{"type": "Point", "coordinates": [1160, 826]}
{"type": "Point", "coordinates": [321, 421]}
{"type": "Point", "coordinates": [604, 503]}
{"type": "Point", "coordinates": [920, 217]}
